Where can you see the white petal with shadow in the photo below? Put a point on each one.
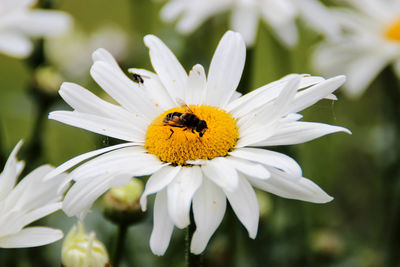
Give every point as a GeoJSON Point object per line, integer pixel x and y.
{"type": "Point", "coordinates": [78, 159]}
{"type": "Point", "coordinates": [162, 225]}
{"type": "Point", "coordinates": [31, 237]}
{"type": "Point", "coordinates": [245, 205]}
{"type": "Point", "coordinates": [122, 89]}
{"type": "Point", "coordinates": [171, 73]}
{"type": "Point", "coordinates": [221, 173]}
{"type": "Point", "coordinates": [209, 205]}
{"type": "Point", "coordinates": [180, 193]}
{"type": "Point", "coordinates": [299, 132]}
{"type": "Point", "coordinates": [270, 158]}
{"type": "Point", "coordinates": [101, 125]}
{"type": "Point", "coordinates": [196, 87]}
{"type": "Point", "coordinates": [158, 181]}
{"type": "Point", "coordinates": [225, 69]}
{"type": "Point", "coordinates": [293, 187]}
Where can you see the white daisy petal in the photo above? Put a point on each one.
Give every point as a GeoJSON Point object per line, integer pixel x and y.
{"type": "Point", "coordinates": [34, 192]}
{"type": "Point", "coordinates": [31, 237]}
{"type": "Point", "coordinates": [270, 158]}
{"type": "Point", "coordinates": [44, 23]}
{"type": "Point", "coordinates": [86, 102]}
{"type": "Point", "coordinates": [129, 160]}
{"type": "Point", "coordinates": [221, 173]}
{"type": "Point", "coordinates": [293, 187]}
{"type": "Point", "coordinates": [372, 8]}
{"type": "Point", "coordinates": [156, 90]}
{"type": "Point", "coordinates": [12, 5]}
{"type": "Point", "coordinates": [180, 193]}
{"type": "Point", "coordinates": [259, 97]}
{"type": "Point", "coordinates": [41, 212]}
{"type": "Point", "coordinates": [362, 71]}
{"type": "Point", "coordinates": [281, 16]}
{"type": "Point", "coordinates": [19, 21]}
{"type": "Point", "coordinates": [260, 124]}
{"type": "Point", "coordinates": [244, 203]}
{"type": "Point", "coordinates": [78, 159]}
{"type": "Point", "coordinates": [167, 66]}
{"type": "Point", "coordinates": [317, 92]}
{"type": "Point", "coordinates": [162, 225]}
{"type": "Point", "coordinates": [319, 18]}
{"type": "Point", "coordinates": [158, 181]}
{"type": "Point", "coordinates": [225, 69]}
{"type": "Point", "coordinates": [249, 168]}
{"type": "Point", "coordinates": [122, 89]}
{"type": "Point", "coordinates": [102, 54]}
{"type": "Point", "coordinates": [199, 11]}
{"type": "Point", "coordinates": [100, 125]}
{"type": "Point", "coordinates": [209, 204]}
{"type": "Point", "coordinates": [15, 44]}
{"type": "Point", "coordinates": [196, 85]}
{"type": "Point", "coordinates": [83, 193]}
{"type": "Point", "coordinates": [245, 21]}
{"type": "Point", "coordinates": [172, 10]}
{"type": "Point", "coordinates": [25, 202]}
{"type": "Point", "coordinates": [367, 45]}
{"type": "Point", "coordinates": [9, 176]}
{"type": "Point", "coordinates": [300, 132]}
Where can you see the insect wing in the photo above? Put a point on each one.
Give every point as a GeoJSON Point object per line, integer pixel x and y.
{"type": "Point", "coordinates": [183, 105]}
{"type": "Point", "coordinates": [173, 123]}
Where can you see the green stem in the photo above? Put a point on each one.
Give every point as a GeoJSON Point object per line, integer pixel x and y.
{"type": "Point", "coordinates": [391, 172]}
{"type": "Point", "coordinates": [119, 244]}
{"type": "Point", "coordinates": [246, 80]}
{"type": "Point", "coordinates": [232, 237]}
{"type": "Point", "coordinates": [33, 150]}
{"type": "Point", "coordinates": [3, 158]}
{"type": "Point", "coordinates": [192, 260]}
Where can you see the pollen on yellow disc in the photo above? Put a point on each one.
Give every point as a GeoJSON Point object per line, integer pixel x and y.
{"type": "Point", "coordinates": [183, 144]}
{"type": "Point", "coordinates": [393, 31]}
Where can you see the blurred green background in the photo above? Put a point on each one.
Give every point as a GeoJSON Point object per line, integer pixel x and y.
{"type": "Point", "coordinates": [360, 227]}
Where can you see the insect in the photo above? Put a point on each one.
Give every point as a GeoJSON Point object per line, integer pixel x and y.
{"type": "Point", "coordinates": [186, 120]}
{"type": "Point", "coordinates": [137, 78]}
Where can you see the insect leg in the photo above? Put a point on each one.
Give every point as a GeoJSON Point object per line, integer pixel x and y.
{"type": "Point", "coordinates": [172, 132]}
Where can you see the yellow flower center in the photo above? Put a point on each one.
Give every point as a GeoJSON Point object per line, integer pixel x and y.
{"type": "Point", "coordinates": [393, 31]}
{"type": "Point", "coordinates": [179, 144]}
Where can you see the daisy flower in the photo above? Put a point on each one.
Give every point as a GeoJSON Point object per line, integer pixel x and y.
{"type": "Point", "coordinates": [200, 166]}
{"type": "Point", "coordinates": [371, 41]}
{"type": "Point", "coordinates": [31, 199]}
{"type": "Point", "coordinates": [18, 22]}
{"type": "Point", "coordinates": [281, 16]}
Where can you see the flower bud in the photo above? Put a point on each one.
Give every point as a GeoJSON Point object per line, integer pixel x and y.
{"type": "Point", "coordinates": [83, 250]}
{"type": "Point", "coordinates": [264, 204]}
{"type": "Point", "coordinates": [122, 203]}
{"type": "Point", "coordinates": [48, 79]}
{"type": "Point", "coordinates": [327, 243]}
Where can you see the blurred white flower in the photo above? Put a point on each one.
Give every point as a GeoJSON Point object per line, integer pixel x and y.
{"type": "Point", "coordinates": [29, 200]}
{"type": "Point", "coordinates": [80, 249]}
{"type": "Point", "coordinates": [18, 22]}
{"type": "Point", "coordinates": [71, 52]}
{"type": "Point", "coordinates": [193, 166]}
{"type": "Point", "coordinates": [371, 41]}
{"type": "Point", "coordinates": [281, 15]}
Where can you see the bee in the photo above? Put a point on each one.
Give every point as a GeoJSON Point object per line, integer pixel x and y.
{"type": "Point", "coordinates": [186, 120]}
